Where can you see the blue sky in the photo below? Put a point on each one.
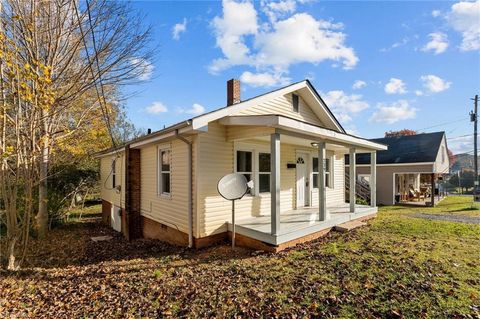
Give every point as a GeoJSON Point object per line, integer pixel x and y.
{"type": "Point", "coordinates": [379, 65]}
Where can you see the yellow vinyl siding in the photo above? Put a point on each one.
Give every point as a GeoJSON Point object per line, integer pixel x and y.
{"type": "Point", "coordinates": [107, 192]}
{"type": "Point", "coordinates": [169, 210]}
{"type": "Point", "coordinates": [283, 106]}
{"type": "Point", "coordinates": [244, 132]}
{"type": "Point", "coordinates": [216, 159]}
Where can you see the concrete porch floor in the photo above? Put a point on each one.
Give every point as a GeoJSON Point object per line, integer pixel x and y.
{"type": "Point", "coordinates": [295, 224]}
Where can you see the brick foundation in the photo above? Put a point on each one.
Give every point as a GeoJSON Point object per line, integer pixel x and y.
{"type": "Point", "coordinates": [155, 230]}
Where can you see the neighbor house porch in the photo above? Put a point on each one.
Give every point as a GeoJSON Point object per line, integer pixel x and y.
{"type": "Point", "coordinates": [301, 171]}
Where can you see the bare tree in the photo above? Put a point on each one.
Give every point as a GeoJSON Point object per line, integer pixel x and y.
{"type": "Point", "coordinates": [68, 60]}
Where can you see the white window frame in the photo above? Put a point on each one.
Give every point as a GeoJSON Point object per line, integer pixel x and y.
{"type": "Point", "coordinates": [255, 149]}
{"type": "Point", "coordinates": [257, 156]}
{"type": "Point", "coordinates": [328, 175]}
{"type": "Point", "coordinates": [160, 172]}
{"type": "Point", "coordinates": [252, 173]}
{"type": "Point", "coordinates": [114, 173]}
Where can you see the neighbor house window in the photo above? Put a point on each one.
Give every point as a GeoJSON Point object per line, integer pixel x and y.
{"type": "Point", "coordinates": [263, 172]}
{"type": "Point", "coordinates": [164, 172]}
{"type": "Point", "coordinates": [315, 172]}
{"type": "Point", "coordinates": [244, 164]}
{"type": "Point", "coordinates": [114, 173]}
{"type": "Point", "coordinates": [295, 102]}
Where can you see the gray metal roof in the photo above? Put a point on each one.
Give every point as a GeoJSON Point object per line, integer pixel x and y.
{"type": "Point", "coordinates": [420, 148]}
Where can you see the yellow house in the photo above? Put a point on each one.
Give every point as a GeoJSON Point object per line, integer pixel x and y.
{"type": "Point", "coordinates": [164, 185]}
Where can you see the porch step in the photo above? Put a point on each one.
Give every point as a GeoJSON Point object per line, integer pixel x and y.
{"type": "Point", "coordinates": [348, 226]}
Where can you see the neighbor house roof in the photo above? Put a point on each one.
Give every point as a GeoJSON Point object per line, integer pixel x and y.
{"type": "Point", "coordinates": [420, 148]}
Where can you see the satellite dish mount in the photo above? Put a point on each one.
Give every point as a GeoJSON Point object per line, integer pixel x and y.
{"type": "Point", "coordinates": [232, 187]}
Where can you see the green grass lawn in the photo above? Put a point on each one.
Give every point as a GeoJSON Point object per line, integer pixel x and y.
{"type": "Point", "coordinates": [399, 266]}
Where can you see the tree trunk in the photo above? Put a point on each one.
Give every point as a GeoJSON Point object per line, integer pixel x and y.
{"type": "Point", "coordinates": [42, 216]}
{"type": "Point", "coordinates": [11, 255]}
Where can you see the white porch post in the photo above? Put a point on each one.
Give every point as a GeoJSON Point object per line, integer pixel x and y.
{"type": "Point", "coordinates": [373, 179]}
{"type": "Point", "coordinates": [322, 198]}
{"type": "Point", "coordinates": [275, 182]}
{"type": "Point", "coordinates": [353, 179]}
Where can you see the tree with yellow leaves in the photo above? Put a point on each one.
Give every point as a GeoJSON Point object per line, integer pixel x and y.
{"type": "Point", "coordinates": [62, 63]}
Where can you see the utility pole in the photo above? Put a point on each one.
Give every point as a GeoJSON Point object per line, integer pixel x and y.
{"type": "Point", "coordinates": [474, 119]}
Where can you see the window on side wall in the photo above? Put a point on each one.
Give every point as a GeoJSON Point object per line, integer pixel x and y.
{"type": "Point", "coordinates": [164, 172]}
{"type": "Point", "coordinates": [244, 164]}
{"type": "Point", "coordinates": [264, 172]}
{"type": "Point", "coordinates": [114, 173]}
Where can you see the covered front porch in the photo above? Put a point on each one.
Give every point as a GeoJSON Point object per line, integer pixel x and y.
{"type": "Point", "coordinates": [313, 168]}
{"type": "Point", "coordinates": [298, 223]}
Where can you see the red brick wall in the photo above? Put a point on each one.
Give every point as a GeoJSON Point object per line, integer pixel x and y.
{"type": "Point", "coordinates": [133, 223]}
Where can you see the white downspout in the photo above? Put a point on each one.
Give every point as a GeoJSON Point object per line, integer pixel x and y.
{"type": "Point", "coordinates": [190, 187]}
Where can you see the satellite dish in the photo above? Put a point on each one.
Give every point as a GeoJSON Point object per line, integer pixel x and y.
{"type": "Point", "coordinates": [232, 186]}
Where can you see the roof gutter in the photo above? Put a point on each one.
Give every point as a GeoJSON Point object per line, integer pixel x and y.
{"type": "Point", "coordinates": [190, 186]}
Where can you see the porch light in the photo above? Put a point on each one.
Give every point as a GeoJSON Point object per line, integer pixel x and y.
{"type": "Point", "coordinates": [314, 144]}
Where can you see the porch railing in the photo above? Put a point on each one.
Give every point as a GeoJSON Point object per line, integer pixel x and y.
{"type": "Point", "coordinates": [362, 189]}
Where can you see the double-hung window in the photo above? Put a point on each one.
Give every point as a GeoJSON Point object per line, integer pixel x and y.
{"type": "Point", "coordinates": [164, 172]}
{"type": "Point", "coordinates": [114, 173]}
{"type": "Point", "coordinates": [263, 172]}
{"type": "Point", "coordinates": [245, 164]}
{"type": "Point", "coordinates": [315, 172]}
{"type": "Point", "coordinates": [327, 172]}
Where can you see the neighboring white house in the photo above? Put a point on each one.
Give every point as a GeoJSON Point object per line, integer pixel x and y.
{"type": "Point", "coordinates": [164, 185]}
{"type": "Point", "coordinates": [407, 172]}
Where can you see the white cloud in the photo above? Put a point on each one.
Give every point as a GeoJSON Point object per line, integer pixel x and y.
{"type": "Point", "coordinates": [436, 13]}
{"type": "Point", "coordinates": [145, 68]}
{"type": "Point", "coordinates": [343, 105]}
{"type": "Point", "coordinates": [178, 29]}
{"type": "Point", "coordinates": [272, 46]}
{"type": "Point", "coordinates": [157, 108]}
{"type": "Point", "coordinates": [461, 144]}
{"type": "Point", "coordinates": [418, 92]}
{"type": "Point", "coordinates": [239, 20]}
{"type": "Point", "coordinates": [434, 84]}
{"type": "Point", "coordinates": [395, 86]}
{"type": "Point", "coordinates": [263, 79]}
{"type": "Point", "coordinates": [358, 84]}
{"type": "Point", "coordinates": [196, 109]}
{"type": "Point", "coordinates": [438, 43]}
{"type": "Point", "coordinates": [392, 113]}
{"type": "Point", "coordinates": [275, 10]}
{"type": "Point", "coordinates": [464, 17]}
{"type": "Point", "coordinates": [398, 44]}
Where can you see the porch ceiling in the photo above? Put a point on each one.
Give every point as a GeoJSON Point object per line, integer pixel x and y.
{"type": "Point", "coordinates": [304, 143]}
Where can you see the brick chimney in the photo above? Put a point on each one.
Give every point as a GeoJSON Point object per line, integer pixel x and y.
{"type": "Point", "coordinates": [233, 92]}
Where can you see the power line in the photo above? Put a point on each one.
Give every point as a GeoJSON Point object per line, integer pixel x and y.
{"type": "Point", "coordinates": [100, 99]}
{"type": "Point", "coordinates": [442, 124]}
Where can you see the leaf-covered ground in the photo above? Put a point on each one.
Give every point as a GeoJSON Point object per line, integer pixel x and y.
{"type": "Point", "coordinates": [397, 266]}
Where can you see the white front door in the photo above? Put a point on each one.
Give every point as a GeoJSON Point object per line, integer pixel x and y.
{"type": "Point", "coordinates": [302, 180]}
{"type": "Point", "coordinates": [116, 218]}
